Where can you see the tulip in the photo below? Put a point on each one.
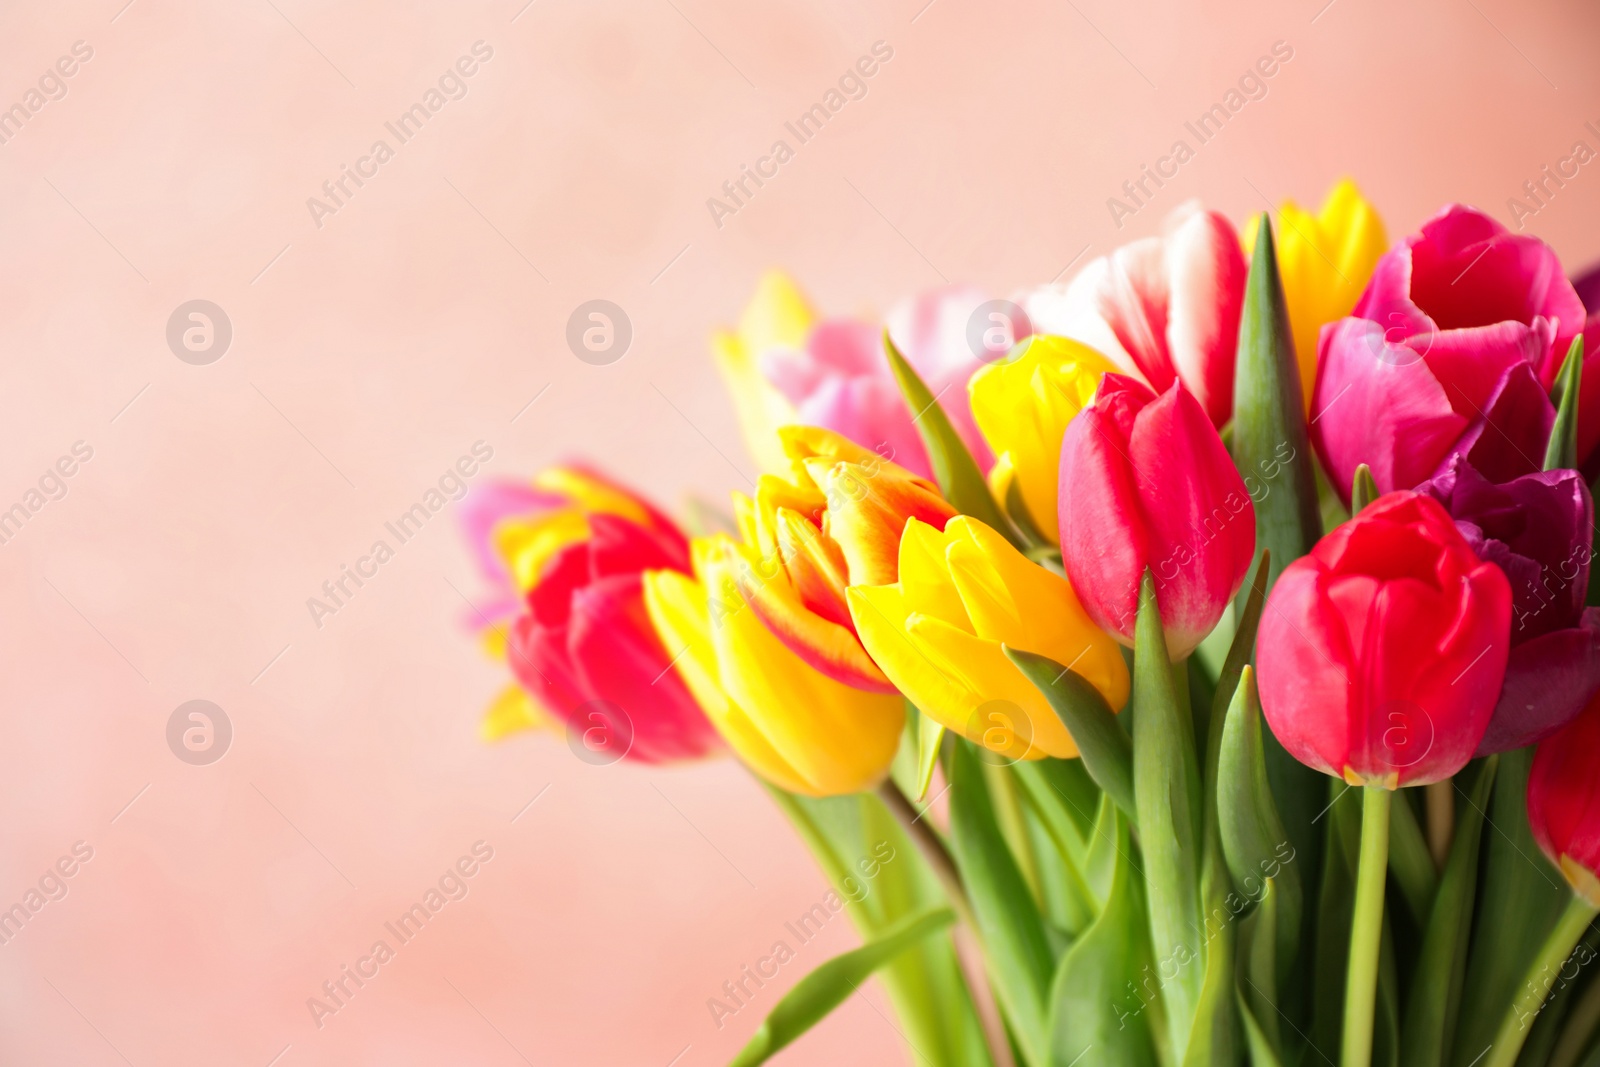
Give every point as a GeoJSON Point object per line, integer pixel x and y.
{"type": "Point", "coordinates": [939, 632]}
{"type": "Point", "coordinates": [777, 316]}
{"type": "Point", "coordinates": [1381, 653]}
{"type": "Point", "coordinates": [1452, 348]}
{"type": "Point", "coordinates": [1324, 260]}
{"type": "Point", "coordinates": [1564, 805]}
{"type": "Point", "coordinates": [795, 726]}
{"type": "Point", "coordinates": [568, 554]}
{"type": "Point", "coordinates": [1147, 484]}
{"type": "Point", "coordinates": [784, 366]}
{"type": "Point", "coordinates": [1164, 309]}
{"type": "Point", "coordinates": [1537, 529]}
{"type": "Point", "coordinates": [834, 523]}
{"type": "Point", "coordinates": [1023, 405]}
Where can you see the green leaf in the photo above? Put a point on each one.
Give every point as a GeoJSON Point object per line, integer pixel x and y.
{"type": "Point", "coordinates": [1271, 445]}
{"type": "Point", "coordinates": [1021, 961]}
{"type": "Point", "coordinates": [832, 983]}
{"type": "Point", "coordinates": [1103, 744]}
{"type": "Point", "coordinates": [1213, 1041]}
{"type": "Point", "coordinates": [1522, 895]}
{"type": "Point", "coordinates": [1363, 489]}
{"type": "Point", "coordinates": [853, 837]}
{"type": "Point", "coordinates": [953, 466]}
{"type": "Point", "coordinates": [1409, 860]}
{"type": "Point", "coordinates": [1070, 903]}
{"type": "Point", "coordinates": [1253, 838]}
{"type": "Point", "coordinates": [1561, 452]}
{"type": "Point", "coordinates": [1096, 1013]}
{"type": "Point", "coordinates": [1262, 1052]}
{"type": "Point", "coordinates": [1258, 965]}
{"type": "Point", "coordinates": [1166, 786]}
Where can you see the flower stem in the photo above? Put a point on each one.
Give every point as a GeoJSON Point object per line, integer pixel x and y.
{"type": "Point", "coordinates": [1541, 978]}
{"type": "Point", "coordinates": [1366, 931]}
{"type": "Point", "coordinates": [1441, 804]}
{"type": "Point", "coordinates": [933, 850]}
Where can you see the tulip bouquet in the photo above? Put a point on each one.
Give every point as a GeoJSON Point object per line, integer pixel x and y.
{"type": "Point", "coordinates": [1208, 639]}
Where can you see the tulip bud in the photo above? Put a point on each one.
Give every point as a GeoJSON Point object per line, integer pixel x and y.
{"type": "Point", "coordinates": [1147, 484]}
{"type": "Point", "coordinates": [1023, 405]}
{"type": "Point", "coordinates": [1563, 804]}
{"type": "Point", "coordinates": [835, 522]}
{"type": "Point", "coordinates": [938, 634]}
{"type": "Point", "coordinates": [569, 555]}
{"type": "Point", "coordinates": [1381, 653]}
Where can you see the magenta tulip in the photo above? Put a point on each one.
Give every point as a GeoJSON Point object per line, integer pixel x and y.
{"type": "Point", "coordinates": [1147, 484]}
{"type": "Point", "coordinates": [1381, 653]}
{"type": "Point", "coordinates": [1452, 349]}
{"type": "Point", "coordinates": [1164, 309]}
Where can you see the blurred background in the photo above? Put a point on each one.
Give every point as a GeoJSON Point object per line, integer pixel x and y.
{"type": "Point", "coordinates": [373, 341]}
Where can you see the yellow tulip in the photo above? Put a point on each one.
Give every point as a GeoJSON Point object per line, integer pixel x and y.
{"type": "Point", "coordinates": [778, 316]}
{"type": "Point", "coordinates": [790, 723]}
{"type": "Point", "coordinates": [1326, 260]}
{"type": "Point", "coordinates": [937, 633]}
{"type": "Point", "coordinates": [1023, 405]}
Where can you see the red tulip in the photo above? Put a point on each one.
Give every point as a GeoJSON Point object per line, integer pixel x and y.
{"type": "Point", "coordinates": [1381, 654]}
{"type": "Point", "coordinates": [1147, 483]}
{"type": "Point", "coordinates": [573, 552]}
{"type": "Point", "coordinates": [1564, 801]}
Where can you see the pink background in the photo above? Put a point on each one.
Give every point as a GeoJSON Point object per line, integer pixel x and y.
{"type": "Point", "coordinates": [421, 318]}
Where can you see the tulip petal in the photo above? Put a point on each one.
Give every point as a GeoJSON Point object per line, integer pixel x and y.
{"type": "Point", "coordinates": [618, 658]}
{"type": "Point", "coordinates": [840, 739]}
{"type": "Point", "coordinates": [513, 711]}
{"type": "Point", "coordinates": [1206, 295]}
{"type": "Point", "coordinates": [1548, 682]}
{"type": "Point", "coordinates": [678, 609]}
{"type": "Point", "coordinates": [1378, 404]}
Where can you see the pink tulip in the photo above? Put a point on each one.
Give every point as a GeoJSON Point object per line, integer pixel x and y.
{"type": "Point", "coordinates": [1163, 308]}
{"type": "Point", "coordinates": [841, 380]}
{"type": "Point", "coordinates": [1147, 483]}
{"type": "Point", "coordinates": [1452, 349]}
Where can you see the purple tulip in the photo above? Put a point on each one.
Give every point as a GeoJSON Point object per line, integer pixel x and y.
{"type": "Point", "coordinates": [1537, 529]}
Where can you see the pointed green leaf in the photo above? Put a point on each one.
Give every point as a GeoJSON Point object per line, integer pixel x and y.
{"type": "Point", "coordinates": [1271, 445]}
{"type": "Point", "coordinates": [1562, 450]}
{"type": "Point", "coordinates": [1240, 652]}
{"type": "Point", "coordinates": [1272, 449]}
{"type": "Point", "coordinates": [832, 983]}
{"type": "Point", "coordinates": [1253, 838]}
{"type": "Point", "coordinates": [1166, 787]}
{"type": "Point", "coordinates": [1096, 1013]}
{"type": "Point", "coordinates": [1363, 489]}
{"type": "Point", "coordinates": [1021, 961]}
{"type": "Point", "coordinates": [1103, 744]}
{"type": "Point", "coordinates": [953, 466]}
{"type": "Point", "coordinates": [1409, 859]}
{"type": "Point", "coordinates": [1213, 1040]}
